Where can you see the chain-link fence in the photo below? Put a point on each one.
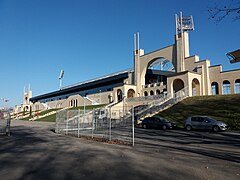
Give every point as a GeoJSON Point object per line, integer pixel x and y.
{"type": "Point", "coordinates": [115, 126]}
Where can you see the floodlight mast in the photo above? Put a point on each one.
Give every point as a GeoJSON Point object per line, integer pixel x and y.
{"type": "Point", "coordinates": [60, 78]}
{"type": "Point", "coordinates": [183, 24]}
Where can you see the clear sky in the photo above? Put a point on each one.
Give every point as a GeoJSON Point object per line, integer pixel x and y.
{"type": "Point", "coordinates": [91, 38]}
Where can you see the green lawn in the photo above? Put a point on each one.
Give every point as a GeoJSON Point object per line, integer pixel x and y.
{"type": "Point", "coordinates": [221, 107]}
{"type": "Point", "coordinates": [40, 114]}
{"type": "Point", "coordinates": [52, 118]}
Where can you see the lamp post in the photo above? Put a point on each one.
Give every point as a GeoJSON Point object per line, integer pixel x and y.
{"type": "Point", "coordinates": [60, 78]}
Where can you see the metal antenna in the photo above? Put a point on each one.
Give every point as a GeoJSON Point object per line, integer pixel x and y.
{"type": "Point", "coordinates": [135, 44]}
{"type": "Point", "coordinates": [176, 21]}
{"type": "Point", "coordinates": [138, 41]}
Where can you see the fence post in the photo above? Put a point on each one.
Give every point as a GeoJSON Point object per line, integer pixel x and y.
{"type": "Point", "coordinates": [93, 117]}
{"type": "Point", "coordinates": [67, 123]}
{"type": "Point", "coordinates": [78, 121]}
{"type": "Point", "coordinates": [133, 126]}
{"type": "Point", "coordinates": [57, 117]}
{"type": "Point", "coordinates": [110, 124]}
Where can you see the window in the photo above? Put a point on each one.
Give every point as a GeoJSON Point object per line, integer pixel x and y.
{"type": "Point", "coordinates": [226, 87]}
{"type": "Point", "coordinates": [237, 86]}
{"type": "Point", "coordinates": [215, 90]}
{"type": "Point", "coordinates": [197, 119]}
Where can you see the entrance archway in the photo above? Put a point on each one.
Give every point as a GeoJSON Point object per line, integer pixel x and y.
{"type": "Point", "coordinates": [195, 87]}
{"type": "Point", "coordinates": [130, 93]}
{"type": "Point", "coordinates": [151, 93]}
{"type": "Point", "coordinates": [178, 84]}
{"type": "Point", "coordinates": [145, 93]}
{"type": "Point", "coordinates": [119, 95]}
{"type": "Point", "coordinates": [157, 71]}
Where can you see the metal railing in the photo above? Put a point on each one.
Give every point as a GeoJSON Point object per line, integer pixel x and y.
{"type": "Point", "coordinates": [145, 98]}
{"type": "Point", "coordinates": [160, 104]}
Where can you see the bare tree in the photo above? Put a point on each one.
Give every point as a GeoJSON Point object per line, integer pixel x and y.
{"type": "Point", "coordinates": [220, 11]}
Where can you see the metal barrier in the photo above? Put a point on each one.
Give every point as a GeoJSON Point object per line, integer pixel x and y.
{"type": "Point", "coordinates": [114, 126]}
{"type": "Point", "coordinates": [5, 121]}
{"type": "Point", "coordinates": [106, 124]}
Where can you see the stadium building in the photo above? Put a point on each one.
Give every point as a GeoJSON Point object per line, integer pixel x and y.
{"type": "Point", "coordinates": [164, 71]}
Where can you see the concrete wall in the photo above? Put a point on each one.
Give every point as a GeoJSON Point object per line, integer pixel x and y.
{"type": "Point", "coordinates": [101, 98]}
{"type": "Point", "coordinates": [216, 75]}
{"type": "Point", "coordinates": [187, 79]}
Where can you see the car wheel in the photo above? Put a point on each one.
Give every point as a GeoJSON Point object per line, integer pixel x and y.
{"type": "Point", "coordinates": [144, 126]}
{"type": "Point", "coordinates": [164, 127]}
{"type": "Point", "coordinates": [188, 128]}
{"type": "Point", "coordinates": [216, 128]}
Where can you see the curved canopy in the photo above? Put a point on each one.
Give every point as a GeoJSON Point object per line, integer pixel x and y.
{"type": "Point", "coordinates": [234, 56]}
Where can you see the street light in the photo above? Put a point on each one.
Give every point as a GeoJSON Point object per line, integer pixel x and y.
{"type": "Point", "coordinates": [60, 78]}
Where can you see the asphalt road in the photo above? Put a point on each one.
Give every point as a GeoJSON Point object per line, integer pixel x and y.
{"type": "Point", "coordinates": [35, 152]}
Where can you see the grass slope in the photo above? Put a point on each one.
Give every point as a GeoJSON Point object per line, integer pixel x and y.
{"type": "Point", "coordinates": [225, 108]}
{"type": "Point", "coordinates": [52, 118]}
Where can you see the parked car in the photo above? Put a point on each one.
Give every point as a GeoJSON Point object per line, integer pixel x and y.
{"type": "Point", "coordinates": [205, 123]}
{"type": "Point", "coordinates": [157, 122]}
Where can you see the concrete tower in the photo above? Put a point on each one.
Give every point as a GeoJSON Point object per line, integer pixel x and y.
{"type": "Point", "coordinates": [137, 53]}
{"type": "Point", "coordinates": [26, 96]}
{"type": "Point", "coordinates": [183, 25]}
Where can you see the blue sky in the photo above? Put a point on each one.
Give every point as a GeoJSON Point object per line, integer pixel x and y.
{"type": "Point", "coordinates": [91, 38]}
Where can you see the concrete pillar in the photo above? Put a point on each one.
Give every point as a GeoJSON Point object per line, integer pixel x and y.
{"type": "Point", "coordinates": [232, 86]}
{"type": "Point", "coordinates": [137, 73]}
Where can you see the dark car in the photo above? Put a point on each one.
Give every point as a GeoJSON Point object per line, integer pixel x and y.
{"type": "Point", "coordinates": [157, 122]}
